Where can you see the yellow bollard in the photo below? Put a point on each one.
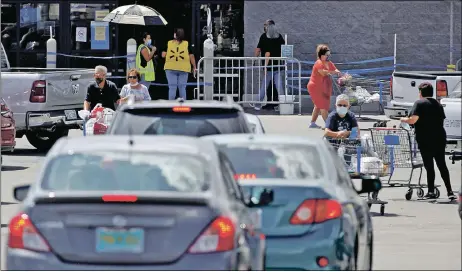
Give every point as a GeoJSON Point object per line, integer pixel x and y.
{"type": "Point", "coordinates": [451, 67]}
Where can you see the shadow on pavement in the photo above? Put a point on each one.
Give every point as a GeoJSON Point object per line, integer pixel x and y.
{"type": "Point", "coordinates": [27, 152]}
{"type": "Point", "coordinates": [376, 214]}
{"type": "Point", "coordinates": [13, 168]}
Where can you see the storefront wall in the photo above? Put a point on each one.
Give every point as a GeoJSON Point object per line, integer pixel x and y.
{"type": "Point", "coordinates": [360, 30]}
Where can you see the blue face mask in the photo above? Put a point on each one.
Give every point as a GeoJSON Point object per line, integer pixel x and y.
{"type": "Point", "coordinates": [342, 111]}
{"type": "Point", "coordinates": [148, 42]}
{"type": "Point", "coordinates": [328, 57]}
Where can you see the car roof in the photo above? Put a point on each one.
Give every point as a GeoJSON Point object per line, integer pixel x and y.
{"type": "Point", "coordinates": [263, 138]}
{"type": "Point", "coordinates": [153, 143]}
{"type": "Point", "coordinates": [187, 103]}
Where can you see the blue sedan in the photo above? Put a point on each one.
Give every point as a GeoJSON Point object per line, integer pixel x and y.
{"type": "Point", "coordinates": [317, 220]}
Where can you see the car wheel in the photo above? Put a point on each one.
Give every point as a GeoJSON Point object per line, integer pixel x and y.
{"type": "Point", "coordinates": [43, 141]}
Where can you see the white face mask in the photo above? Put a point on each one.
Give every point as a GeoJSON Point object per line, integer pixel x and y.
{"type": "Point", "coordinates": [133, 84]}
{"type": "Point", "coordinates": [342, 111]}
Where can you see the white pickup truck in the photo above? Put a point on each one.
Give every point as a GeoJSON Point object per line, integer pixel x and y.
{"type": "Point", "coordinates": [44, 101]}
{"type": "Point", "coordinates": [404, 92]}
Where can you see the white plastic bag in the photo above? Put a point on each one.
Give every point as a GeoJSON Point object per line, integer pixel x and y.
{"type": "Point", "coordinates": [89, 126]}
{"type": "Point", "coordinates": [83, 114]}
{"type": "Point", "coordinates": [368, 165]}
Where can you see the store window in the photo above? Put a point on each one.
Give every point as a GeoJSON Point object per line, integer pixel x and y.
{"type": "Point", "coordinates": [37, 23]}
{"type": "Point", "coordinates": [227, 28]}
{"type": "Point", "coordinates": [8, 27]}
{"type": "Point", "coordinates": [82, 16]}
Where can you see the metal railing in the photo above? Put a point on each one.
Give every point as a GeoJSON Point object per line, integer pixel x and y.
{"type": "Point", "coordinates": [245, 79]}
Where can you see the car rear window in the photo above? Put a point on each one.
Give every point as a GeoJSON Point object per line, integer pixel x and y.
{"type": "Point", "coordinates": [116, 171]}
{"type": "Point", "coordinates": [274, 161]}
{"type": "Point", "coordinates": [167, 122]}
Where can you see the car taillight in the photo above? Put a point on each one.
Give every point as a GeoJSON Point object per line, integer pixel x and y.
{"type": "Point", "coordinates": [5, 111]}
{"type": "Point", "coordinates": [119, 198]}
{"type": "Point", "coordinates": [391, 87]}
{"type": "Point", "coordinates": [219, 236]}
{"type": "Point", "coordinates": [441, 89]}
{"type": "Point", "coordinates": [38, 93]}
{"type": "Point", "coordinates": [24, 235]}
{"type": "Point", "coordinates": [316, 211]}
{"type": "Point", "coordinates": [181, 109]}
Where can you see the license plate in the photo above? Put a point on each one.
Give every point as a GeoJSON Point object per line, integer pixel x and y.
{"type": "Point", "coordinates": [119, 240]}
{"type": "Point", "coordinates": [70, 114]}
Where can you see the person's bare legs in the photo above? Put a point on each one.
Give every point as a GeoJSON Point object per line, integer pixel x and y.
{"type": "Point", "coordinates": [314, 117]}
{"type": "Point", "coordinates": [324, 114]}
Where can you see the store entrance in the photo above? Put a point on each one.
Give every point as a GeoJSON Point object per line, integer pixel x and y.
{"type": "Point", "coordinates": [178, 14]}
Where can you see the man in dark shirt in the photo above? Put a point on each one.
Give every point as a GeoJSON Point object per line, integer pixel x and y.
{"type": "Point", "coordinates": [341, 121]}
{"type": "Point", "coordinates": [427, 115]}
{"type": "Point", "coordinates": [102, 91]}
{"type": "Point", "coordinates": [262, 48]}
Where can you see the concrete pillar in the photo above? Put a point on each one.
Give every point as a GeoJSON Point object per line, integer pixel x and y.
{"type": "Point", "coordinates": [131, 53]}
{"type": "Point", "coordinates": [51, 53]}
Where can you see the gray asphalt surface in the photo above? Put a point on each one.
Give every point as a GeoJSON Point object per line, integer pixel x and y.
{"type": "Point", "coordinates": [413, 235]}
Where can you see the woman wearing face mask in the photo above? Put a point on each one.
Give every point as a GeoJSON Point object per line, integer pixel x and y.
{"type": "Point", "coordinates": [320, 85]}
{"type": "Point", "coordinates": [144, 57]}
{"type": "Point", "coordinates": [178, 60]}
{"type": "Point", "coordinates": [134, 88]}
{"type": "Point", "coordinates": [341, 121]}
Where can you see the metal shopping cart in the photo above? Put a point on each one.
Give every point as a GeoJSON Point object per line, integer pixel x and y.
{"type": "Point", "coordinates": [97, 122]}
{"type": "Point", "coordinates": [397, 148]}
{"type": "Point", "coordinates": [363, 90]}
{"type": "Point", "coordinates": [361, 162]}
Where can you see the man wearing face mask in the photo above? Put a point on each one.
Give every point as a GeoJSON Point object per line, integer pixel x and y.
{"type": "Point", "coordinates": [144, 62]}
{"type": "Point", "coordinates": [102, 92]}
{"type": "Point", "coordinates": [341, 121]}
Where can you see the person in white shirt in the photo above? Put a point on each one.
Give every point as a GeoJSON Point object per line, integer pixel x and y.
{"type": "Point", "coordinates": [134, 88]}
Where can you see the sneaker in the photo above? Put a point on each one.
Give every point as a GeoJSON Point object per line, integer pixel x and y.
{"type": "Point", "coordinates": [313, 125]}
{"type": "Point", "coordinates": [452, 196]}
{"type": "Point", "coordinates": [256, 108]}
{"type": "Point", "coordinates": [430, 196]}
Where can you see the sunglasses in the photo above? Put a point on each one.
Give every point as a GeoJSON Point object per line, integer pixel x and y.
{"type": "Point", "coordinates": [132, 77]}
{"type": "Point", "coordinates": [342, 105]}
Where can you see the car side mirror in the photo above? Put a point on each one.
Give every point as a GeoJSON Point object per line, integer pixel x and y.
{"type": "Point", "coordinates": [260, 198]}
{"type": "Point", "coordinates": [370, 185]}
{"type": "Point", "coordinates": [20, 192]}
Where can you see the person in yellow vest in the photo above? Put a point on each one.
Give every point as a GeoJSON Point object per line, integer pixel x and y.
{"type": "Point", "coordinates": [178, 61]}
{"type": "Point", "coordinates": [144, 63]}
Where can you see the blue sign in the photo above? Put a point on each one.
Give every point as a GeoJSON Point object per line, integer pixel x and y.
{"type": "Point", "coordinates": [100, 35]}
{"type": "Point", "coordinates": [27, 15]}
{"type": "Point", "coordinates": [287, 51]}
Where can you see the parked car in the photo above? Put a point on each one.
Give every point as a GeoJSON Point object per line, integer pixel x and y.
{"type": "Point", "coordinates": [317, 220]}
{"type": "Point", "coordinates": [255, 123]}
{"type": "Point", "coordinates": [170, 201]}
{"type": "Point", "coordinates": [453, 110]}
{"type": "Point", "coordinates": [188, 118]}
{"type": "Point", "coordinates": [44, 100]}
{"type": "Point", "coordinates": [8, 128]}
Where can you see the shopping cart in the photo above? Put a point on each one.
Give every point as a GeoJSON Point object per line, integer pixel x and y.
{"type": "Point", "coordinates": [397, 148]}
{"type": "Point", "coordinates": [360, 162]}
{"type": "Point", "coordinates": [97, 122]}
{"type": "Point", "coordinates": [363, 90]}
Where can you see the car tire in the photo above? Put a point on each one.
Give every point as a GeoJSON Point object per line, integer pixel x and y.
{"type": "Point", "coordinates": [43, 142]}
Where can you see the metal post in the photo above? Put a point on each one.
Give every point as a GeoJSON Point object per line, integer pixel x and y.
{"type": "Point", "coordinates": [451, 32]}
{"type": "Point", "coordinates": [394, 55]}
{"type": "Point", "coordinates": [131, 53]}
{"type": "Point", "coordinates": [209, 49]}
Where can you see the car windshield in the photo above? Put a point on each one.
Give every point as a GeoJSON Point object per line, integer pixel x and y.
{"type": "Point", "coordinates": [270, 161]}
{"type": "Point", "coordinates": [116, 171]}
{"type": "Point", "coordinates": [195, 125]}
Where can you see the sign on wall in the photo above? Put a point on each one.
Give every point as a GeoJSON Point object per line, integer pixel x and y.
{"type": "Point", "coordinates": [287, 51]}
{"type": "Point", "coordinates": [100, 35]}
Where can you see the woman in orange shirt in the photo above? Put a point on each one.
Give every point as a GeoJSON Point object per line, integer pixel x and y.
{"type": "Point", "coordinates": [320, 85]}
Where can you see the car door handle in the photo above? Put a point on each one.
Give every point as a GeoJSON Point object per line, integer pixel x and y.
{"type": "Point", "coordinates": [74, 77]}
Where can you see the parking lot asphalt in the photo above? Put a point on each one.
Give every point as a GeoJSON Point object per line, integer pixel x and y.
{"type": "Point", "coordinates": [412, 235]}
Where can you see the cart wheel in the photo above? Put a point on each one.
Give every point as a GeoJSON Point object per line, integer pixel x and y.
{"type": "Point", "coordinates": [369, 205]}
{"type": "Point", "coordinates": [437, 193]}
{"type": "Point", "coordinates": [382, 209]}
{"type": "Point", "coordinates": [420, 193]}
{"type": "Point", "coordinates": [375, 195]}
{"type": "Point", "coordinates": [408, 194]}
